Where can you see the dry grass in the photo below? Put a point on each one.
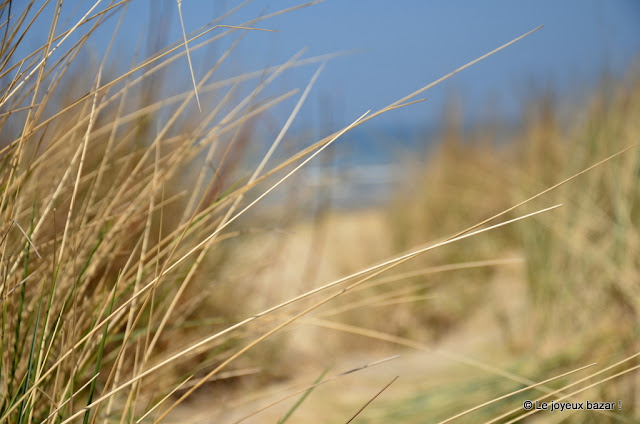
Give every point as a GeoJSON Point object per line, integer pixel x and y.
{"type": "Point", "coordinates": [127, 275]}
{"type": "Point", "coordinates": [582, 265]}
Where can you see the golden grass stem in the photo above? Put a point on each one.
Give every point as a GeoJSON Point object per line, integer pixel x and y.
{"type": "Point", "coordinates": [186, 47]}
{"type": "Point", "coordinates": [372, 399]}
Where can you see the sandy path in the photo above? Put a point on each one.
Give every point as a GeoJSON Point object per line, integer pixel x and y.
{"type": "Point", "coordinates": [484, 337]}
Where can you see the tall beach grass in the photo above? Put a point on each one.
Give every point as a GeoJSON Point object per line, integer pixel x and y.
{"type": "Point", "coordinates": [130, 204]}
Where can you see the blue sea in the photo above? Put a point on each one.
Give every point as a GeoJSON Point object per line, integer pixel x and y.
{"type": "Point", "coordinates": [365, 166]}
{"type": "Point", "coordinates": [358, 170]}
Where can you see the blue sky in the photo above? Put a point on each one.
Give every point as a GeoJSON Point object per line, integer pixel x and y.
{"type": "Point", "coordinates": [404, 45]}
{"type": "Point", "coordinates": [407, 44]}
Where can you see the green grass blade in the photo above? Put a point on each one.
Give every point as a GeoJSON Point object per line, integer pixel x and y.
{"type": "Point", "coordinates": [105, 334]}
{"type": "Point", "coordinates": [303, 397]}
{"type": "Point", "coordinates": [30, 364]}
